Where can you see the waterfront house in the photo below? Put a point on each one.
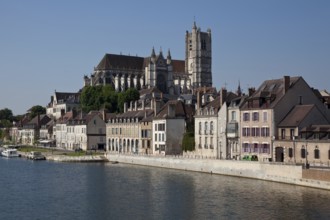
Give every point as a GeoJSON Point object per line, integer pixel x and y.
{"type": "Point", "coordinates": [267, 107]}
{"type": "Point", "coordinates": [298, 121]}
{"type": "Point", "coordinates": [60, 129]}
{"type": "Point", "coordinates": [124, 130]}
{"type": "Point", "coordinates": [86, 132]}
{"type": "Point", "coordinates": [169, 126]}
{"type": "Point", "coordinates": [233, 131]}
{"type": "Point", "coordinates": [30, 132]}
{"type": "Point", "coordinates": [62, 102]}
{"type": "Point", "coordinates": [210, 127]}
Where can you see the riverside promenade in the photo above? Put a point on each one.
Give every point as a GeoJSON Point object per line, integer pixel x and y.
{"type": "Point", "coordinates": [276, 172]}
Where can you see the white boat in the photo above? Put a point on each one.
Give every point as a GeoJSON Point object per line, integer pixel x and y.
{"type": "Point", "coordinates": [10, 153]}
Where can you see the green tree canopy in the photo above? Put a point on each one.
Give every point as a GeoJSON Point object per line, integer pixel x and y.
{"type": "Point", "coordinates": [35, 110]}
{"type": "Point", "coordinates": [6, 114]}
{"type": "Point", "coordinates": [98, 97]}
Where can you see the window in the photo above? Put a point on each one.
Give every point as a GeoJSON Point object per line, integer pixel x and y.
{"type": "Point", "coordinates": [255, 148]}
{"type": "Point", "coordinates": [246, 132]}
{"type": "Point", "coordinates": [317, 153]}
{"type": "Point", "coordinates": [291, 133]}
{"type": "Point", "coordinates": [155, 127]}
{"type": "Point", "coordinates": [255, 116]}
{"type": "Point", "coordinates": [290, 152]}
{"type": "Point", "coordinates": [265, 148]}
{"type": "Point", "coordinates": [303, 152]}
{"type": "Point", "coordinates": [246, 116]}
{"type": "Point", "coordinates": [264, 132]}
{"type": "Point", "coordinates": [161, 127]}
{"type": "Point", "coordinates": [283, 133]}
{"type": "Point", "coordinates": [233, 115]}
{"type": "Point", "coordinates": [211, 127]}
{"type": "Point", "coordinates": [155, 137]}
{"type": "Point", "coordinates": [255, 132]}
{"type": "Point", "coordinates": [265, 116]}
{"type": "Point", "coordinates": [245, 147]}
{"type": "Point", "coordinates": [206, 127]}
{"type": "Point", "coordinates": [200, 127]}
{"type": "Point", "coordinates": [205, 146]}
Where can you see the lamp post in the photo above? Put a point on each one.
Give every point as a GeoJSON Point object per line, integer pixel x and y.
{"type": "Point", "coordinates": [306, 155]}
{"type": "Point", "coordinates": [294, 149]}
{"type": "Point", "coordinates": [271, 148]}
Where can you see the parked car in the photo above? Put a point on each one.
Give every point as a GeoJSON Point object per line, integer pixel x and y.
{"type": "Point", "coordinates": [36, 155]}
{"type": "Point", "coordinates": [250, 157]}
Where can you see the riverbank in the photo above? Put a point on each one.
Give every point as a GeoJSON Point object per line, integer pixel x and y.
{"type": "Point", "coordinates": [87, 158]}
{"type": "Point", "coordinates": [64, 156]}
{"type": "Point", "coordinates": [289, 174]}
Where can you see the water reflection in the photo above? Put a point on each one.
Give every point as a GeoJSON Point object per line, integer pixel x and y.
{"type": "Point", "coordinates": [108, 191]}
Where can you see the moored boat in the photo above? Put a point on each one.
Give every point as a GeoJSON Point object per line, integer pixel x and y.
{"type": "Point", "coordinates": [10, 153]}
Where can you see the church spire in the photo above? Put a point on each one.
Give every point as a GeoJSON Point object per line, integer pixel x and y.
{"type": "Point", "coordinates": [153, 55]}
{"type": "Point", "coordinates": [169, 58]}
{"type": "Point", "coordinates": [239, 91]}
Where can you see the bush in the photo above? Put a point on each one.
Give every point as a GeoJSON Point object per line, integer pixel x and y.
{"type": "Point", "coordinates": [188, 142]}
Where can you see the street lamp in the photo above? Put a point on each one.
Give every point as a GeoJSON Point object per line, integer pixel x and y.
{"type": "Point", "coordinates": [306, 155]}
{"type": "Point", "coordinates": [271, 148]}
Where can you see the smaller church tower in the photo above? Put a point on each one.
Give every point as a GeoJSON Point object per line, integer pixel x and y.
{"type": "Point", "coordinates": [198, 61]}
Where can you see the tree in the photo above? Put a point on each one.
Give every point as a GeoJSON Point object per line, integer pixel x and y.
{"type": "Point", "coordinates": [129, 95]}
{"type": "Point", "coordinates": [6, 114]}
{"type": "Point", "coordinates": [37, 110]}
{"type": "Point", "coordinates": [97, 97]}
{"type": "Point", "coordinates": [188, 141]}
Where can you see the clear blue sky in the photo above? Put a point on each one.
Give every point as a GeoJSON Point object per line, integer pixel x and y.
{"type": "Point", "coordinates": [50, 45]}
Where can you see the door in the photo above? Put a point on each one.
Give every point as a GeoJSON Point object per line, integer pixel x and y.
{"type": "Point", "coordinates": [279, 154]}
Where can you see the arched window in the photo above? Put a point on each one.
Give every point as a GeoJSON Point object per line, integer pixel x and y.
{"type": "Point", "coordinates": [303, 152]}
{"type": "Point", "coordinates": [205, 127]}
{"type": "Point", "coordinates": [316, 153]}
{"type": "Point", "coordinates": [211, 127]}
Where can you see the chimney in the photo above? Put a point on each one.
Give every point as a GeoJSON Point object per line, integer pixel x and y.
{"type": "Point", "coordinates": [198, 100]}
{"type": "Point", "coordinates": [104, 114]}
{"type": "Point", "coordinates": [143, 104]}
{"type": "Point", "coordinates": [154, 106]}
{"type": "Point", "coordinates": [135, 105]}
{"type": "Point", "coordinates": [171, 110]}
{"type": "Point", "coordinates": [131, 106]}
{"type": "Point", "coordinates": [251, 91]}
{"type": "Point", "coordinates": [286, 80]}
{"type": "Point", "coordinates": [125, 107]}
{"type": "Point", "coordinates": [161, 96]}
{"type": "Point", "coordinates": [223, 95]}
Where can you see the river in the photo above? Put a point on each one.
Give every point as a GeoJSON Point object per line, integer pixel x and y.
{"type": "Point", "coordinates": [50, 190]}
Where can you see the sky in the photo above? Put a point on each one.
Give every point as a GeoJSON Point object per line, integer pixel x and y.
{"type": "Point", "coordinates": [50, 45]}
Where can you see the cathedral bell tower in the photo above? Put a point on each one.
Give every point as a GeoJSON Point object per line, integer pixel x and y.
{"type": "Point", "coordinates": [198, 63]}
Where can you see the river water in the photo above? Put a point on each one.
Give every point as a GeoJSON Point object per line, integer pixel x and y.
{"type": "Point", "coordinates": [50, 190]}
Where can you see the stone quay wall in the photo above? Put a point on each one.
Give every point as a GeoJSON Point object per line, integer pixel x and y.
{"type": "Point", "coordinates": [289, 174]}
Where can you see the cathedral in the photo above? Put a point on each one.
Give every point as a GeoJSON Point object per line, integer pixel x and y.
{"type": "Point", "coordinates": [170, 76]}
